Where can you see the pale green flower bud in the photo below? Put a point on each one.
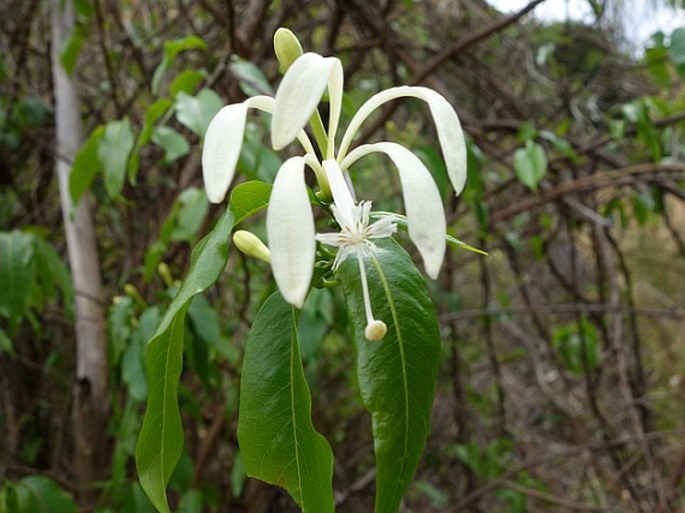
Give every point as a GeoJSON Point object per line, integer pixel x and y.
{"type": "Point", "coordinates": [287, 48]}
{"type": "Point", "coordinates": [249, 244]}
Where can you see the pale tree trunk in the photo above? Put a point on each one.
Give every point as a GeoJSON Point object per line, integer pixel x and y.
{"type": "Point", "coordinates": [90, 388]}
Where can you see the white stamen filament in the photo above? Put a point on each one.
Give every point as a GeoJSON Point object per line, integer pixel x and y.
{"type": "Point", "coordinates": [375, 329]}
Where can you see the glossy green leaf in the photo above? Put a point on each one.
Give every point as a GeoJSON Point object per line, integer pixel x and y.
{"type": "Point", "coordinates": [396, 375]}
{"type": "Point", "coordinates": [161, 438]}
{"type": "Point", "coordinates": [17, 275]}
{"type": "Point", "coordinates": [113, 150]}
{"type": "Point", "coordinates": [86, 165]}
{"type": "Point", "coordinates": [195, 112]}
{"type": "Point", "coordinates": [171, 50]}
{"type": "Point", "coordinates": [530, 164]}
{"type": "Point", "coordinates": [38, 494]}
{"type": "Point", "coordinates": [277, 440]}
{"type": "Point", "coordinates": [249, 198]}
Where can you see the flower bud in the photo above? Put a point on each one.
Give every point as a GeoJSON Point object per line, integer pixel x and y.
{"type": "Point", "coordinates": [375, 330]}
{"type": "Point", "coordinates": [250, 245]}
{"type": "Point", "coordinates": [287, 48]}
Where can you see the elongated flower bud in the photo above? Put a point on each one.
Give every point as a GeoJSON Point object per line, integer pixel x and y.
{"type": "Point", "coordinates": [249, 244]}
{"type": "Point", "coordinates": [287, 48]}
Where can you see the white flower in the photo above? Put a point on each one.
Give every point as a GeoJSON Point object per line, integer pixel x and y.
{"type": "Point", "coordinates": [355, 237]}
{"type": "Point", "coordinates": [290, 221]}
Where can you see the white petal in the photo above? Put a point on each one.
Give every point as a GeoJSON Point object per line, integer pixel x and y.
{"type": "Point", "coordinates": [335, 93]}
{"type": "Point", "coordinates": [298, 95]}
{"type": "Point", "coordinates": [450, 134]}
{"type": "Point", "coordinates": [221, 149]}
{"type": "Point", "coordinates": [290, 230]}
{"type": "Point", "coordinates": [422, 202]}
{"type": "Point", "coordinates": [341, 193]}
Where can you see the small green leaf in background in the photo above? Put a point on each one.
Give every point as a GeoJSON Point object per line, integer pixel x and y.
{"type": "Point", "coordinates": [252, 80]}
{"type": "Point", "coordinates": [86, 165]}
{"type": "Point", "coordinates": [676, 50]}
{"type": "Point", "coordinates": [186, 81]}
{"type": "Point", "coordinates": [530, 164]}
{"type": "Point", "coordinates": [160, 443]}
{"type": "Point", "coordinates": [396, 375]}
{"type": "Point", "coordinates": [38, 494]}
{"type": "Point", "coordinates": [17, 275]}
{"type": "Point", "coordinates": [175, 145]}
{"type": "Point", "coordinates": [277, 440]}
{"type": "Point", "coordinates": [578, 345]}
{"type": "Point", "coordinates": [152, 113]}
{"type": "Point", "coordinates": [657, 57]}
{"type": "Point", "coordinates": [6, 345]}
{"type": "Point", "coordinates": [196, 112]}
{"type": "Point", "coordinates": [71, 48]}
{"type": "Point", "coordinates": [113, 150]}
{"type": "Point", "coordinates": [194, 207]}
{"type": "Point", "coordinates": [171, 50]}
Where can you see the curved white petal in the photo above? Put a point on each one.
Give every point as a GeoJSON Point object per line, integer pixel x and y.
{"type": "Point", "coordinates": [221, 149]}
{"type": "Point", "coordinates": [223, 142]}
{"type": "Point", "coordinates": [335, 94]}
{"type": "Point", "coordinates": [450, 134]}
{"type": "Point", "coordinates": [422, 202]}
{"type": "Point", "coordinates": [341, 193]}
{"type": "Point", "coordinates": [290, 231]}
{"type": "Point", "coordinates": [298, 95]}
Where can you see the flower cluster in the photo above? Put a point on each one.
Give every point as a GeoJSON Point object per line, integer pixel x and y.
{"type": "Point", "coordinates": [290, 221]}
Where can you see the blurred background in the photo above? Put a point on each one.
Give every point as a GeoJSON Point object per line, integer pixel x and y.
{"type": "Point", "coordinates": [562, 383]}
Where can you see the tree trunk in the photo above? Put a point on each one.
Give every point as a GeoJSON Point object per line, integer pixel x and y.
{"type": "Point", "coordinates": [90, 388]}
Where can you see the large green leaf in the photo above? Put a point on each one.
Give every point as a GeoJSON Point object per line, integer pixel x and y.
{"type": "Point", "coordinates": [195, 112]}
{"type": "Point", "coordinates": [278, 442]}
{"type": "Point", "coordinates": [161, 438]}
{"type": "Point", "coordinates": [396, 375]}
{"type": "Point", "coordinates": [17, 276]}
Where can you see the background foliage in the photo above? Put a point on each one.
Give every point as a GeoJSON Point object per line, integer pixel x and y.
{"type": "Point", "coordinates": [561, 379]}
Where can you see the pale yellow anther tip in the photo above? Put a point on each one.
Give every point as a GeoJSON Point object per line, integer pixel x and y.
{"type": "Point", "coordinates": [375, 330]}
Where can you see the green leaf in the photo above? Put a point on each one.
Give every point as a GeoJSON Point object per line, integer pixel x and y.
{"type": "Point", "coordinates": [171, 50]}
{"type": "Point", "coordinates": [71, 48]}
{"type": "Point", "coordinates": [396, 375]}
{"type": "Point", "coordinates": [38, 494]}
{"type": "Point", "coordinates": [186, 81]}
{"type": "Point", "coordinates": [161, 438]}
{"type": "Point", "coordinates": [86, 165]}
{"type": "Point", "coordinates": [51, 270]}
{"type": "Point", "coordinates": [194, 206]}
{"type": "Point", "coordinates": [530, 164]}
{"type": "Point", "coordinates": [6, 344]}
{"type": "Point", "coordinates": [17, 276]}
{"type": "Point", "coordinates": [277, 440]}
{"type": "Point", "coordinates": [152, 114]}
{"type": "Point", "coordinates": [676, 50]}
{"type": "Point", "coordinates": [248, 198]}
{"type": "Point", "coordinates": [251, 79]}
{"type": "Point", "coordinates": [113, 151]}
{"type": "Point", "coordinates": [175, 145]}
{"type": "Point", "coordinates": [195, 112]}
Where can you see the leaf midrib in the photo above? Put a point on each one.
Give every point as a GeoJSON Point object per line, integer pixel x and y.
{"type": "Point", "coordinates": [400, 343]}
